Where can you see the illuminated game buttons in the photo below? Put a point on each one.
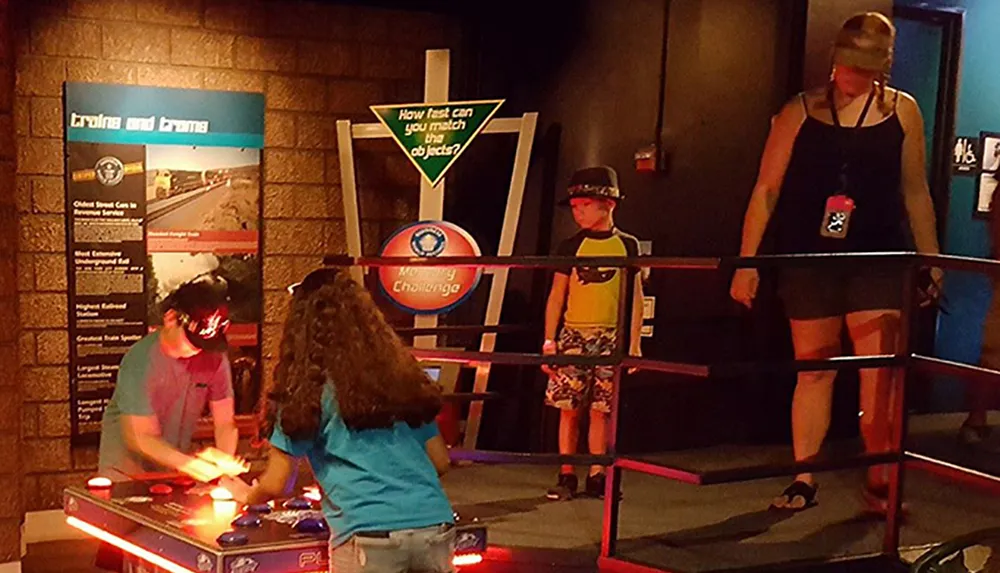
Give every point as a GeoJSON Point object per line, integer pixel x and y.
{"type": "Point", "coordinates": [311, 525]}
{"type": "Point", "coordinates": [312, 492]}
{"type": "Point", "coordinates": [232, 539]}
{"type": "Point", "coordinates": [298, 503]}
{"type": "Point", "coordinates": [160, 489]}
{"type": "Point", "coordinates": [247, 520]}
{"type": "Point", "coordinates": [184, 482]}
{"type": "Point", "coordinates": [99, 483]}
{"type": "Point", "coordinates": [259, 508]}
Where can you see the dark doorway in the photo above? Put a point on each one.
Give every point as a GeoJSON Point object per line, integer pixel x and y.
{"type": "Point", "coordinates": [928, 52]}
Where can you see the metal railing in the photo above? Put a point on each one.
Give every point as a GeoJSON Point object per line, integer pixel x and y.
{"type": "Point", "coordinates": [903, 363]}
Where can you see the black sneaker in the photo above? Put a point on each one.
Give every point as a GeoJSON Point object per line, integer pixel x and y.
{"type": "Point", "coordinates": [595, 485]}
{"type": "Point", "coordinates": [564, 489]}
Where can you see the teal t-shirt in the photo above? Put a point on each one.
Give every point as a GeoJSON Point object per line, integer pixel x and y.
{"type": "Point", "coordinates": [372, 480]}
{"type": "Point", "coordinates": [175, 390]}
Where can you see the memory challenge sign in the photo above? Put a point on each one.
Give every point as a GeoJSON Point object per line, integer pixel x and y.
{"type": "Point", "coordinates": [434, 135]}
{"type": "Point", "coordinates": [423, 289]}
{"type": "Point", "coordinates": [162, 185]}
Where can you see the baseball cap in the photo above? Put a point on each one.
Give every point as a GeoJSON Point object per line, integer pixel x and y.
{"type": "Point", "coordinates": [202, 306]}
{"type": "Point", "coordinates": [595, 182]}
{"type": "Point", "coordinates": [865, 41]}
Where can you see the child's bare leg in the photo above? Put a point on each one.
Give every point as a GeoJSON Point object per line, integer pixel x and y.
{"type": "Point", "coordinates": [598, 437]}
{"type": "Point", "coordinates": [569, 435]}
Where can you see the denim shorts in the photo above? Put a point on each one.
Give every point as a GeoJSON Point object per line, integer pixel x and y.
{"type": "Point", "coordinates": [427, 550]}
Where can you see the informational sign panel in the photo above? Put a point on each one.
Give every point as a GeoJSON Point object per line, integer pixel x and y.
{"type": "Point", "coordinates": [988, 173]}
{"type": "Point", "coordinates": [434, 135]}
{"type": "Point", "coordinates": [429, 289]}
{"type": "Point", "coordinates": [162, 185]}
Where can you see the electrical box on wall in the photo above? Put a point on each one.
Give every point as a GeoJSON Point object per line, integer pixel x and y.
{"type": "Point", "coordinates": [651, 159]}
{"type": "Point", "coordinates": [645, 160]}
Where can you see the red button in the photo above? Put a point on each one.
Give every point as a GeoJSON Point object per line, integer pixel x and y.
{"type": "Point", "coordinates": [160, 489]}
{"type": "Point", "coordinates": [184, 481]}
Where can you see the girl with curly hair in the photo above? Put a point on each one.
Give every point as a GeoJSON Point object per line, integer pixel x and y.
{"type": "Point", "coordinates": [350, 398]}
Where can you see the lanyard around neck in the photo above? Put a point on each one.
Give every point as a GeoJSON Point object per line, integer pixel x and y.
{"type": "Point", "coordinates": [843, 183]}
{"type": "Point", "coordinates": [864, 112]}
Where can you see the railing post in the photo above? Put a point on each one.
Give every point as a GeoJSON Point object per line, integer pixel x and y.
{"type": "Point", "coordinates": [898, 413]}
{"type": "Point", "coordinates": [612, 485]}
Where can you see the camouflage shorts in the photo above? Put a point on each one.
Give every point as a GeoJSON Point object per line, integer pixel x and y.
{"type": "Point", "coordinates": [571, 387]}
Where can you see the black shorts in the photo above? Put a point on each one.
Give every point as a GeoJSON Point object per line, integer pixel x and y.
{"type": "Point", "coordinates": [814, 292]}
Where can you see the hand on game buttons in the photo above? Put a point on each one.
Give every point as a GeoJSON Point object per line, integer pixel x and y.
{"type": "Point", "coordinates": [201, 470]}
{"type": "Point", "coordinates": [229, 465]}
{"type": "Point", "coordinates": [239, 488]}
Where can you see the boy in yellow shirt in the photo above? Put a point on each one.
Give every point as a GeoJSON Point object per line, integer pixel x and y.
{"type": "Point", "coordinates": [585, 299]}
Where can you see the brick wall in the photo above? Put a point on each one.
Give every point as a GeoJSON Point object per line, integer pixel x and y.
{"type": "Point", "coordinates": [10, 390]}
{"type": "Point", "coordinates": [316, 62]}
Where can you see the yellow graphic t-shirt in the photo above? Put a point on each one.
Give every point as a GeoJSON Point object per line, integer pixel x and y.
{"type": "Point", "coordinates": [593, 291]}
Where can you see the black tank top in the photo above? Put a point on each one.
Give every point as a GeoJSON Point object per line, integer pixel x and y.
{"type": "Point", "coordinates": [874, 164]}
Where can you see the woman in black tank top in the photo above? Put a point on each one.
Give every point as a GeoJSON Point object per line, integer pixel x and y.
{"type": "Point", "coordinates": [842, 171]}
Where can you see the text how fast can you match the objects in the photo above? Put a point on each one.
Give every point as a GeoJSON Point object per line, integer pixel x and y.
{"type": "Point", "coordinates": [434, 135]}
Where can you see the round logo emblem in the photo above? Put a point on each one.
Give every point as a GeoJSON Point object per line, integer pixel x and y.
{"type": "Point", "coordinates": [428, 242]}
{"type": "Point", "coordinates": [204, 562]}
{"type": "Point", "coordinates": [429, 290]}
{"type": "Point", "coordinates": [110, 171]}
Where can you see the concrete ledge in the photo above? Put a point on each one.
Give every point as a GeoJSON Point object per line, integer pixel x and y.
{"type": "Point", "coordinates": [41, 526]}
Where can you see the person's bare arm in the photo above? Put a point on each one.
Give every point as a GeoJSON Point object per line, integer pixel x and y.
{"type": "Point", "coordinates": [227, 435]}
{"type": "Point", "coordinates": [773, 164]}
{"type": "Point", "coordinates": [437, 451]}
{"type": "Point", "coordinates": [280, 469]}
{"type": "Point", "coordinates": [142, 436]}
{"type": "Point", "coordinates": [916, 192]}
{"type": "Point", "coordinates": [556, 302]}
{"type": "Point", "coordinates": [636, 325]}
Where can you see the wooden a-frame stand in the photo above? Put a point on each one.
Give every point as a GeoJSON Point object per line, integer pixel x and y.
{"type": "Point", "coordinates": [436, 78]}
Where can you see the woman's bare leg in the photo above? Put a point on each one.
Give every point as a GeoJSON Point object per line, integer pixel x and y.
{"type": "Point", "coordinates": [875, 332]}
{"type": "Point", "coordinates": [813, 339]}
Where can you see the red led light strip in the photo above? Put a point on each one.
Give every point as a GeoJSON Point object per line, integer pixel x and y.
{"type": "Point", "coordinates": [132, 548]}
{"type": "Point", "coordinates": [463, 560]}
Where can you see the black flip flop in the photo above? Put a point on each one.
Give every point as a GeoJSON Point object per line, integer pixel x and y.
{"type": "Point", "coordinates": [798, 489]}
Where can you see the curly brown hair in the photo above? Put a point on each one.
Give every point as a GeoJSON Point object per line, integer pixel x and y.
{"type": "Point", "coordinates": [334, 333]}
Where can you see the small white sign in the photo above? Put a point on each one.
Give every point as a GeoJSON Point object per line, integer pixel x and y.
{"type": "Point", "coordinates": [645, 250]}
{"type": "Point", "coordinates": [647, 331]}
{"type": "Point", "coordinates": [648, 307]}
